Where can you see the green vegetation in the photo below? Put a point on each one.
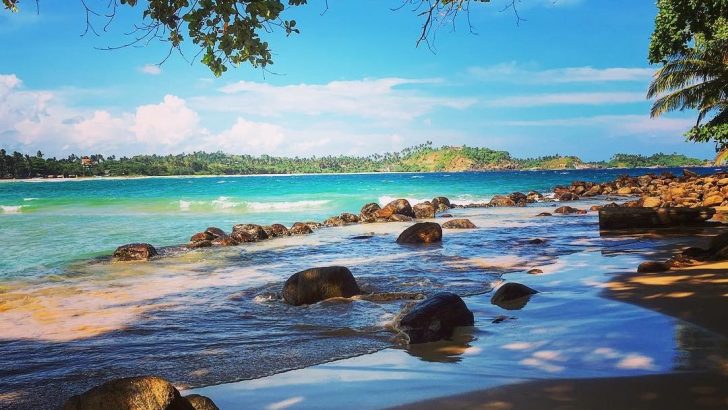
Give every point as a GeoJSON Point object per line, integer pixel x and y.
{"type": "Point", "coordinates": [420, 158]}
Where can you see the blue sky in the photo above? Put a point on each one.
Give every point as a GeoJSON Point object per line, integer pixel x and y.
{"type": "Point", "coordinates": [571, 79]}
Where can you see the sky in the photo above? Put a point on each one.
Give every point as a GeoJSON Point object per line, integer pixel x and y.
{"type": "Point", "coordinates": [570, 79]}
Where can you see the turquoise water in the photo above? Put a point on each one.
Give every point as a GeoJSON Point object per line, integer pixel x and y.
{"type": "Point", "coordinates": [70, 319]}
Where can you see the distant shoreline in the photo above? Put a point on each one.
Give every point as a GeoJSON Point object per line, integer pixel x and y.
{"type": "Point", "coordinates": [127, 177]}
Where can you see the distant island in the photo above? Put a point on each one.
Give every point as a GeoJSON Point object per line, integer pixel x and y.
{"type": "Point", "coordinates": [420, 158]}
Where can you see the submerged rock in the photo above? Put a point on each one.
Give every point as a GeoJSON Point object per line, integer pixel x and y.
{"type": "Point", "coordinates": [566, 210]}
{"type": "Point", "coordinates": [501, 200]}
{"type": "Point", "coordinates": [459, 224]}
{"type": "Point", "coordinates": [398, 206]}
{"type": "Point", "coordinates": [653, 267]}
{"type": "Point", "coordinates": [535, 271]}
{"type": "Point", "coordinates": [544, 214]}
{"type": "Point", "coordinates": [278, 230]}
{"type": "Point", "coordinates": [134, 252]}
{"type": "Point", "coordinates": [200, 244]}
{"type": "Point", "coordinates": [215, 232]}
{"type": "Point", "coordinates": [512, 296]}
{"type": "Point", "coordinates": [422, 232]}
{"type": "Point", "coordinates": [317, 284]}
{"type": "Point", "coordinates": [435, 318]}
{"type": "Point", "coordinates": [131, 393]}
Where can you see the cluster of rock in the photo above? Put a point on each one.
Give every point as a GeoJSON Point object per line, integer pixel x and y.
{"type": "Point", "coordinates": [665, 190]}
{"type": "Point", "coordinates": [717, 251]}
{"type": "Point", "coordinates": [138, 393]}
{"type": "Point", "coordinates": [244, 233]}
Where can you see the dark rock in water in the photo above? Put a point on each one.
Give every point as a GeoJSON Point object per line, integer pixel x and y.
{"type": "Point", "coordinates": [134, 252]}
{"type": "Point", "coordinates": [536, 241]}
{"type": "Point", "coordinates": [313, 225]}
{"type": "Point", "coordinates": [534, 196]}
{"type": "Point", "coordinates": [334, 221]}
{"type": "Point", "coordinates": [544, 214]}
{"type": "Point", "coordinates": [200, 244]}
{"type": "Point", "coordinates": [459, 224]}
{"type": "Point", "coordinates": [423, 232]}
{"type": "Point", "coordinates": [399, 218]}
{"type": "Point", "coordinates": [535, 271]}
{"type": "Point", "coordinates": [653, 267]}
{"type": "Point", "coordinates": [435, 318]}
{"type": "Point", "coordinates": [512, 296]}
{"type": "Point", "coordinates": [501, 200]}
{"type": "Point", "coordinates": [256, 231]}
{"type": "Point", "coordinates": [131, 393]}
{"type": "Point", "coordinates": [244, 236]}
{"type": "Point", "coordinates": [300, 228]}
{"type": "Point", "coordinates": [279, 230]}
{"type": "Point", "coordinates": [225, 241]}
{"type": "Point", "coordinates": [398, 206]}
{"type": "Point", "coordinates": [566, 210]}
{"type": "Point", "coordinates": [215, 232]}
{"type": "Point", "coordinates": [362, 237]}
{"type": "Point", "coordinates": [317, 284]}
{"type": "Point", "coordinates": [201, 402]}
{"type": "Point", "coordinates": [718, 242]}
{"type": "Point", "coordinates": [596, 207]}
{"type": "Point", "coordinates": [349, 218]}
{"type": "Point", "coordinates": [626, 218]}
{"type": "Point", "coordinates": [518, 198]}
{"type": "Point", "coordinates": [441, 203]}
{"type": "Point", "coordinates": [424, 210]}
{"type": "Point", "coordinates": [694, 252]}
{"type": "Point", "coordinates": [370, 208]}
{"type": "Point", "coordinates": [390, 296]}
{"type": "Point", "coordinates": [446, 216]}
{"type": "Point", "coordinates": [567, 196]}
{"type": "Point", "coordinates": [202, 236]}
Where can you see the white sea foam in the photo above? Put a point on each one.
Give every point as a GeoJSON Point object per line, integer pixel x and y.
{"type": "Point", "coordinates": [385, 199]}
{"type": "Point", "coordinates": [30, 199]}
{"type": "Point", "coordinates": [11, 209]}
{"type": "Point", "coordinates": [285, 206]}
{"type": "Point", "coordinates": [224, 202]}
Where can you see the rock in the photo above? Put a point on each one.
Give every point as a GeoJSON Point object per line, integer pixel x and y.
{"type": "Point", "coordinates": [535, 271]}
{"type": "Point", "coordinates": [690, 174]}
{"type": "Point", "coordinates": [518, 198]}
{"type": "Point", "coordinates": [398, 206]}
{"type": "Point", "coordinates": [349, 218]}
{"type": "Point", "coordinates": [334, 221]}
{"type": "Point", "coordinates": [201, 402]}
{"type": "Point", "coordinates": [722, 182]}
{"type": "Point", "coordinates": [131, 393]}
{"type": "Point", "coordinates": [370, 208]}
{"type": "Point", "coordinates": [200, 244]}
{"type": "Point", "coordinates": [215, 232]}
{"type": "Point", "coordinates": [400, 218]}
{"type": "Point", "coordinates": [534, 196]}
{"type": "Point", "coordinates": [278, 230]}
{"type": "Point", "coordinates": [544, 214]}
{"type": "Point", "coordinates": [446, 216]}
{"type": "Point", "coordinates": [501, 200]}
{"type": "Point", "coordinates": [313, 225]}
{"type": "Point", "coordinates": [650, 202]}
{"type": "Point", "coordinates": [512, 296]}
{"type": "Point", "coordinates": [243, 236]}
{"type": "Point", "coordinates": [424, 210]}
{"type": "Point", "coordinates": [201, 236]}
{"type": "Point", "coordinates": [436, 318]}
{"type": "Point", "coordinates": [300, 228]}
{"type": "Point", "coordinates": [225, 241]}
{"type": "Point", "coordinates": [256, 231]}
{"type": "Point", "coordinates": [441, 203]}
{"type": "Point", "coordinates": [718, 247]}
{"type": "Point", "coordinates": [566, 210]}
{"type": "Point", "coordinates": [652, 267]}
{"type": "Point", "coordinates": [536, 241]}
{"type": "Point", "coordinates": [317, 284]}
{"type": "Point", "coordinates": [625, 218]}
{"type": "Point", "coordinates": [713, 200]}
{"type": "Point", "coordinates": [423, 232]}
{"type": "Point", "coordinates": [567, 196]}
{"type": "Point", "coordinates": [134, 252]}
{"type": "Point", "coordinates": [624, 191]}
{"type": "Point", "coordinates": [595, 207]}
{"type": "Point", "coordinates": [459, 224]}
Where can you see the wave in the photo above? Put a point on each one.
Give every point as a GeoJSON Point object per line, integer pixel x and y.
{"type": "Point", "coordinates": [30, 199]}
{"type": "Point", "coordinates": [285, 206]}
{"type": "Point", "coordinates": [11, 209]}
{"type": "Point", "coordinates": [225, 202]}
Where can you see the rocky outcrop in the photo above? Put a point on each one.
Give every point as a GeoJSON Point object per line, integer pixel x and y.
{"type": "Point", "coordinates": [421, 233]}
{"type": "Point", "coordinates": [214, 232]}
{"type": "Point", "coordinates": [501, 200]}
{"type": "Point", "coordinates": [135, 393]}
{"type": "Point", "coordinates": [334, 221]}
{"type": "Point", "coordinates": [254, 230]}
{"type": "Point", "coordinates": [244, 236]}
{"type": "Point", "coordinates": [349, 218]}
{"type": "Point", "coordinates": [435, 318]}
{"type": "Point", "coordinates": [441, 203]}
{"type": "Point", "coordinates": [277, 230]}
{"type": "Point", "coordinates": [512, 296]}
{"type": "Point", "coordinates": [201, 236]}
{"type": "Point", "coordinates": [300, 228]}
{"type": "Point", "coordinates": [518, 198]}
{"type": "Point", "coordinates": [459, 224]}
{"type": "Point", "coordinates": [424, 210]}
{"type": "Point", "coordinates": [398, 206]}
{"type": "Point", "coordinates": [317, 284]}
{"type": "Point", "coordinates": [134, 252]}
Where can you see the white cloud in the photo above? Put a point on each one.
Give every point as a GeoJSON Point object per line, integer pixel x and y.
{"type": "Point", "coordinates": [379, 99]}
{"type": "Point", "coordinates": [248, 137]}
{"type": "Point", "coordinates": [101, 129]}
{"type": "Point", "coordinates": [582, 98]}
{"type": "Point", "coordinates": [514, 72]}
{"type": "Point", "coordinates": [152, 69]}
{"type": "Point", "coordinates": [166, 124]}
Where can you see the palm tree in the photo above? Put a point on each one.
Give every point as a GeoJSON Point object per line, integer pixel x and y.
{"type": "Point", "coordinates": [696, 79]}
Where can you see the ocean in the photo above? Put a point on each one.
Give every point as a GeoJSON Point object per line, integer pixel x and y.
{"type": "Point", "coordinates": [70, 319]}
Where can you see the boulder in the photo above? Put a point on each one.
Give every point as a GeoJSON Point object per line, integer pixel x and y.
{"type": "Point", "coordinates": [536, 241]}
{"type": "Point", "coordinates": [225, 241]}
{"type": "Point", "coordinates": [534, 196]}
{"type": "Point", "coordinates": [313, 225]}
{"type": "Point", "coordinates": [713, 200]}
{"type": "Point", "coordinates": [446, 216]}
{"type": "Point", "coordinates": [131, 393]}
{"type": "Point", "coordinates": [201, 402]}
{"type": "Point", "coordinates": [653, 267]}
{"type": "Point", "coordinates": [334, 221]}
{"type": "Point", "coordinates": [135, 252]}
{"type": "Point", "coordinates": [435, 318]}
{"type": "Point", "coordinates": [518, 198]}
{"type": "Point", "coordinates": [459, 224]}
{"type": "Point", "coordinates": [424, 210]}
{"type": "Point", "coordinates": [215, 232]}
{"type": "Point", "coordinates": [423, 232]}
{"type": "Point", "coordinates": [300, 228]}
{"type": "Point", "coordinates": [201, 236]}
{"type": "Point", "coordinates": [544, 214]}
{"type": "Point", "coordinates": [501, 200]}
{"type": "Point", "coordinates": [512, 296]}
{"type": "Point", "coordinates": [565, 210]}
{"type": "Point", "coordinates": [398, 206]}
{"type": "Point", "coordinates": [595, 207]}
{"type": "Point", "coordinates": [690, 174]}
{"type": "Point", "coordinates": [367, 212]}
{"type": "Point", "coordinates": [349, 218]}
{"type": "Point", "coordinates": [441, 203]}
{"type": "Point", "coordinates": [200, 244]}
{"type": "Point", "coordinates": [567, 196]}
{"type": "Point", "coordinates": [317, 284]}
{"type": "Point", "coordinates": [256, 231]}
{"type": "Point", "coordinates": [650, 202]}
{"type": "Point", "coordinates": [243, 236]}
{"type": "Point", "coordinates": [400, 218]}
{"type": "Point", "coordinates": [278, 230]}
{"type": "Point", "coordinates": [535, 271]}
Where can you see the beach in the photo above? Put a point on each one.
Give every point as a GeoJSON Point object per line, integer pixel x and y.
{"type": "Point", "coordinates": [212, 321]}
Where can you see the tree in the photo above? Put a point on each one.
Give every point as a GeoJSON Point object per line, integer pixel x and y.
{"type": "Point", "coordinates": [691, 41]}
